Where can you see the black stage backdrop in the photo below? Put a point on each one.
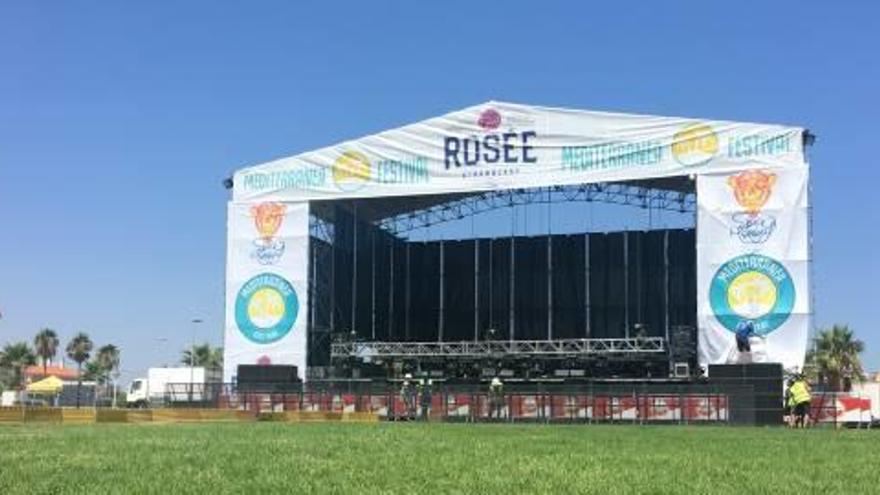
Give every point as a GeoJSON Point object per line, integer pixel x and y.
{"type": "Point", "coordinates": [524, 288]}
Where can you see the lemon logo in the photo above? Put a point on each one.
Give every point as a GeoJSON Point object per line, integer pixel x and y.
{"type": "Point", "coordinates": [266, 308]}
{"type": "Point", "coordinates": [752, 287]}
{"type": "Point", "coordinates": [351, 171]}
{"type": "Point", "coordinates": [695, 144]}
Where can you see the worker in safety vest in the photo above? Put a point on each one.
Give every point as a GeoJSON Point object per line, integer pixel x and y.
{"type": "Point", "coordinates": [408, 394]}
{"type": "Point", "coordinates": [496, 398]}
{"type": "Point", "coordinates": [799, 398]}
{"type": "Point", "coordinates": [425, 394]}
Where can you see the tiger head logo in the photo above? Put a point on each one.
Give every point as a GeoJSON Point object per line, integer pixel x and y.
{"type": "Point", "coordinates": [752, 189]}
{"type": "Point", "coordinates": [268, 218]}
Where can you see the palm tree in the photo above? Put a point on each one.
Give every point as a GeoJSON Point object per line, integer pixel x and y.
{"type": "Point", "coordinates": [835, 356]}
{"type": "Point", "coordinates": [46, 346]}
{"type": "Point", "coordinates": [92, 371]}
{"type": "Point", "coordinates": [79, 349]}
{"type": "Point", "coordinates": [15, 357]}
{"type": "Point", "coordinates": [108, 360]}
{"type": "Point", "coordinates": [204, 356]}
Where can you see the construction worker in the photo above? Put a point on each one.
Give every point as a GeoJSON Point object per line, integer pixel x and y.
{"type": "Point", "coordinates": [496, 398]}
{"type": "Point", "coordinates": [799, 399]}
{"type": "Point", "coordinates": [744, 330]}
{"type": "Point", "coordinates": [408, 396]}
{"type": "Point", "coordinates": [425, 394]}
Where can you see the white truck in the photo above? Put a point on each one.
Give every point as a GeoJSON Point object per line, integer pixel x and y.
{"type": "Point", "coordinates": [169, 385]}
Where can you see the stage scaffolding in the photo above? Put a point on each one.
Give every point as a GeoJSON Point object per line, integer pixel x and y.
{"type": "Point", "coordinates": [344, 264]}
{"type": "Point", "coordinates": [568, 348]}
{"type": "Point", "coordinates": [620, 194]}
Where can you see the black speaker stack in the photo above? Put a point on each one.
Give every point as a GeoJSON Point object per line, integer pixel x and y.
{"type": "Point", "coordinates": [755, 391]}
{"type": "Point", "coordinates": [267, 378]}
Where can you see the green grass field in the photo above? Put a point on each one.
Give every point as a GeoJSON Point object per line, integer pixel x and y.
{"type": "Point", "coordinates": [434, 458]}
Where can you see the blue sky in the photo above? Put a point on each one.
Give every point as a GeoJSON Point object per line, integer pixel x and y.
{"type": "Point", "coordinates": [117, 125]}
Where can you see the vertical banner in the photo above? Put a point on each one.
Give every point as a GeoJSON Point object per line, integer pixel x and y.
{"type": "Point", "coordinates": [266, 285]}
{"type": "Point", "coordinates": [753, 266]}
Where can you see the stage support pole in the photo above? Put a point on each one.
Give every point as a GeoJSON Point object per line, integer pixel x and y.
{"type": "Point", "coordinates": [391, 289]}
{"type": "Point", "coordinates": [442, 314]}
{"type": "Point", "coordinates": [626, 284]}
{"type": "Point", "coordinates": [313, 282]}
{"type": "Point", "coordinates": [549, 264]}
{"type": "Point", "coordinates": [640, 307]}
{"type": "Point", "coordinates": [491, 283]}
{"type": "Point", "coordinates": [354, 271]}
{"type": "Point", "coordinates": [587, 309]}
{"type": "Point", "coordinates": [512, 292]}
{"type": "Point", "coordinates": [476, 290]}
{"type": "Point", "coordinates": [549, 287]}
{"type": "Point", "coordinates": [336, 230]}
{"type": "Point", "coordinates": [666, 291]}
{"type": "Point", "coordinates": [373, 279]}
{"type": "Point", "coordinates": [407, 295]}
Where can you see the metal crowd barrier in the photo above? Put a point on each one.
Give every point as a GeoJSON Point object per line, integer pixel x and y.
{"type": "Point", "coordinates": [587, 403]}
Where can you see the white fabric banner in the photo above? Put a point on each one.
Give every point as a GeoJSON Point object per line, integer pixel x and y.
{"type": "Point", "coordinates": [505, 146]}
{"type": "Point", "coordinates": [266, 285]}
{"type": "Point", "coordinates": [753, 266]}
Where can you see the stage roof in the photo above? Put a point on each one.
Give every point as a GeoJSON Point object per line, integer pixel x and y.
{"type": "Point", "coordinates": [497, 146]}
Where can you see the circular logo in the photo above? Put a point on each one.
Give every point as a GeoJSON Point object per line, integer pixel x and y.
{"type": "Point", "coordinates": [755, 288]}
{"type": "Point", "coordinates": [351, 171]}
{"type": "Point", "coordinates": [266, 308]}
{"type": "Point", "coordinates": [695, 144]}
{"type": "Point", "coordinates": [490, 119]}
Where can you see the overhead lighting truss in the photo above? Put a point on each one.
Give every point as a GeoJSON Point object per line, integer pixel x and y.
{"type": "Point", "coordinates": [621, 194]}
{"type": "Point", "coordinates": [496, 348]}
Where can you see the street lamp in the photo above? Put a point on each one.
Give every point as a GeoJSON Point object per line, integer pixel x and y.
{"type": "Point", "coordinates": [192, 357]}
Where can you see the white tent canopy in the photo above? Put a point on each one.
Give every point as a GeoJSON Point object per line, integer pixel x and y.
{"type": "Point", "coordinates": [500, 145]}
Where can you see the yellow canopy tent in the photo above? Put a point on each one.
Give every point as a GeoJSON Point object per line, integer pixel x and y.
{"type": "Point", "coordinates": [49, 385]}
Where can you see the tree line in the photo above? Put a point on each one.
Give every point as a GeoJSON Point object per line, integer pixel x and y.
{"type": "Point", "coordinates": [99, 367]}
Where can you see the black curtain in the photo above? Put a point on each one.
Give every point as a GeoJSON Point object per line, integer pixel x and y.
{"type": "Point", "coordinates": [343, 242]}
{"type": "Point", "coordinates": [458, 323]}
{"type": "Point", "coordinates": [424, 308]}
{"type": "Point", "coordinates": [484, 287]}
{"type": "Point", "coordinates": [500, 316]}
{"type": "Point", "coordinates": [383, 243]}
{"type": "Point", "coordinates": [569, 313]}
{"type": "Point", "coordinates": [398, 294]}
{"type": "Point", "coordinates": [530, 284]}
{"type": "Point", "coordinates": [682, 278]}
{"type": "Point", "coordinates": [653, 293]}
{"type": "Point", "coordinates": [607, 296]}
{"type": "Point", "coordinates": [364, 288]}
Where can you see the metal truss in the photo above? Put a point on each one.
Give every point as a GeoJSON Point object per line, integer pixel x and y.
{"type": "Point", "coordinates": [320, 228]}
{"type": "Point", "coordinates": [616, 193]}
{"type": "Point", "coordinates": [498, 348]}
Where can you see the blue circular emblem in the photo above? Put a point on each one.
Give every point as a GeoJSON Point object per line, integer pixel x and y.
{"type": "Point", "coordinates": [266, 308]}
{"type": "Point", "coordinates": [752, 288]}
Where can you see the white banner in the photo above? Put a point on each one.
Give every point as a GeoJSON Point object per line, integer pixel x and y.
{"type": "Point", "coordinates": [266, 285]}
{"type": "Point", "coordinates": [753, 299]}
{"type": "Point", "coordinates": [505, 146]}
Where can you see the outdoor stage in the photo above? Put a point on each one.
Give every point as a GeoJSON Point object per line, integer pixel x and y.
{"type": "Point", "coordinates": [539, 304]}
{"type": "Point", "coordinates": [411, 251]}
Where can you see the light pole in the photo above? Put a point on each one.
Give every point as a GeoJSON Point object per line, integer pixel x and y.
{"type": "Point", "coordinates": [192, 358]}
